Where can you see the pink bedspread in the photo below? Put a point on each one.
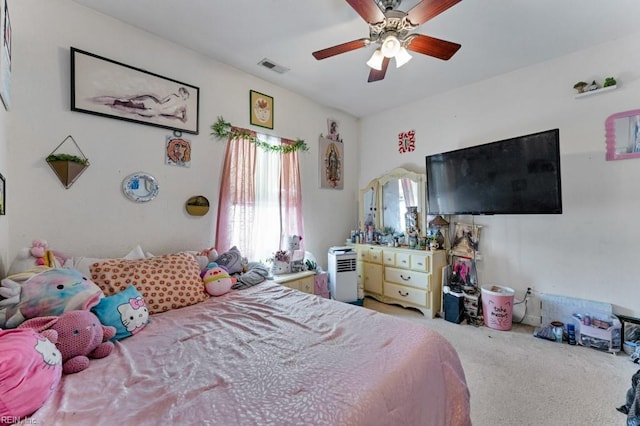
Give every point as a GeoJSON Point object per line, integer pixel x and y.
{"type": "Point", "coordinates": [268, 355]}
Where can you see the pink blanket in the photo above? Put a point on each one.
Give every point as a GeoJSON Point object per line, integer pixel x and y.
{"type": "Point", "coordinates": [269, 355]}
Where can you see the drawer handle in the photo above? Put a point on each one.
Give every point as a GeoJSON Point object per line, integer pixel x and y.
{"type": "Point", "coordinates": [403, 294]}
{"type": "Point", "coordinates": [405, 278]}
{"type": "Point", "coordinates": [420, 264]}
{"type": "Point", "coordinates": [404, 261]}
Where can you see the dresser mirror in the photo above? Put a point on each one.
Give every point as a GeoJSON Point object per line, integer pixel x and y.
{"type": "Point", "coordinates": [369, 205]}
{"type": "Point", "coordinates": [396, 192]}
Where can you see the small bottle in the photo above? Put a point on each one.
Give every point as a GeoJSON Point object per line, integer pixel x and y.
{"type": "Point", "coordinates": [571, 333]}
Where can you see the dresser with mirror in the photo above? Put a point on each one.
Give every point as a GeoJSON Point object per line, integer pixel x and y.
{"type": "Point", "coordinates": [398, 274]}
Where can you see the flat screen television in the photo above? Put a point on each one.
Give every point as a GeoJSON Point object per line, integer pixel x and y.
{"type": "Point", "coordinates": [520, 175]}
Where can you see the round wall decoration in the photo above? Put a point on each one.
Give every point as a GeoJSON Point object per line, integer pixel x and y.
{"type": "Point", "coordinates": [140, 187]}
{"type": "Point", "coordinates": [198, 205]}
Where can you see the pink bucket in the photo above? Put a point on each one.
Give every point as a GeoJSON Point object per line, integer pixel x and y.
{"type": "Point", "coordinates": [497, 306]}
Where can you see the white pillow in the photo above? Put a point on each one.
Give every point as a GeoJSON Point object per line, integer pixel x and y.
{"type": "Point", "coordinates": [83, 264]}
{"type": "Point", "coordinates": [136, 253]}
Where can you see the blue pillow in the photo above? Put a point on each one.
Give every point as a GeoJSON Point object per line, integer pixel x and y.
{"type": "Point", "coordinates": [126, 311]}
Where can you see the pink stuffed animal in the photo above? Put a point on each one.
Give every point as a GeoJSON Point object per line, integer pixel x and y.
{"type": "Point", "coordinates": [78, 335]}
{"type": "Point", "coordinates": [217, 280]}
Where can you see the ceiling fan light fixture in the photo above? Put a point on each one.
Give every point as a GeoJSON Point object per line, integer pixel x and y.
{"type": "Point", "coordinates": [390, 46]}
{"type": "Point", "coordinates": [376, 59]}
{"type": "Point", "coordinates": [402, 57]}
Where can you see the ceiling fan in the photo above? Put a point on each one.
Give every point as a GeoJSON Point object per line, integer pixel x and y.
{"type": "Point", "coordinates": [391, 29]}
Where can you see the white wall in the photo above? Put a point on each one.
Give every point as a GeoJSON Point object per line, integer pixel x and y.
{"type": "Point", "coordinates": [590, 251]}
{"type": "Point", "coordinates": [93, 217]}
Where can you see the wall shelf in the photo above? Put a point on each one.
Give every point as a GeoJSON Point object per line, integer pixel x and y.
{"type": "Point", "coordinates": [593, 92]}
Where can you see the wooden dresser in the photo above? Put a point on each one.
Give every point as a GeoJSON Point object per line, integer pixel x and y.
{"type": "Point", "coordinates": [407, 277]}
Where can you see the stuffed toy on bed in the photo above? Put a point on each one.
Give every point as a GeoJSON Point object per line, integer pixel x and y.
{"type": "Point", "coordinates": [30, 369]}
{"type": "Point", "coordinates": [217, 280]}
{"type": "Point", "coordinates": [48, 293]}
{"type": "Point", "coordinates": [78, 335]}
{"type": "Point", "coordinates": [35, 257]}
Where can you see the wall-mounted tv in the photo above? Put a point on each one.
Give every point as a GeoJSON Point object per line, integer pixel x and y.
{"type": "Point", "coordinates": [520, 175]}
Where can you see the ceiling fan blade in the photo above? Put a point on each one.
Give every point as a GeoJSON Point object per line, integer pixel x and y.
{"type": "Point", "coordinates": [427, 9]}
{"type": "Point", "coordinates": [368, 10]}
{"type": "Point", "coordinates": [340, 48]}
{"type": "Point", "coordinates": [375, 75]}
{"type": "Point", "coordinates": [431, 46]}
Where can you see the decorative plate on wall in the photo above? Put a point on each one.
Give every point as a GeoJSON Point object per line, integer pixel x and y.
{"type": "Point", "coordinates": [140, 187]}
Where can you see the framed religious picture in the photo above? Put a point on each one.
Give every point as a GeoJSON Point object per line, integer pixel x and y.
{"type": "Point", "coordinates": [333, 130]}
{"type": "Point", "coordinates": [466, 240]}
{"type": "Point", "coordinates": [261, 109]}
{"type": "Point", "coordinates": [331, 164]}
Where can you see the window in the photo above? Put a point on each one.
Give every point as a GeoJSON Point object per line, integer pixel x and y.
{"type": "Point", "coordinates": [260, 200]}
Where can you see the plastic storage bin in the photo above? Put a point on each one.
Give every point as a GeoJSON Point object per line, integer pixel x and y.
{"type": "Point", "coordinates": [497, 306]}
{"type": "Point", "coordinates": [599, 331]}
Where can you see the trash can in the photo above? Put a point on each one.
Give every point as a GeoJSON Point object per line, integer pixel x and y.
{"type": "Point", "coordinates": [497, 306]}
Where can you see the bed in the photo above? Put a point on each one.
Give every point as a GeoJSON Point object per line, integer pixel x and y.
{"type": "Point", "coordinates": [268, 355]}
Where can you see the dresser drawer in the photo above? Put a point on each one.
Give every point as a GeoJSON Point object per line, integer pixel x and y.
{"type": "Point", "coordinates": [406, 294]}
{"type": "Point", "coordinates": [375, 255]}
{"type": "Point", "coordinates": [370, 254]}
{"type": "Point", "coordinates": [420, 262]}
{"type": "Point", "coordinates": [307, 285]}
{"type": "Point", "coordinates": [407, 277]}
{"type": "Point", "coordinates": [389, 258]}
{"type": "Point", "coordinates": [403, 260]}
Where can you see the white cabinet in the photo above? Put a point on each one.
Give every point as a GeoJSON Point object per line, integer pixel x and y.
{"type": "Point", "coordinates": [409, 278]}
{"type": "Point", "coordinates": [369, 269]}
{"type": "Point", "coordinates": [303, 281]}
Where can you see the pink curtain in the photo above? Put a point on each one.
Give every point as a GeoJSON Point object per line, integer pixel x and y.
{"type": "Point", "coordinates": [290, 196]}
{"type": "Point", "coordinates": [237, 195]}
{"type": "Point", "coordinates": [237, 204]}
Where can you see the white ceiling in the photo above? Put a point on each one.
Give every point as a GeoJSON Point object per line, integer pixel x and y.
{"type": "Point", "coordinates": [497, 36]}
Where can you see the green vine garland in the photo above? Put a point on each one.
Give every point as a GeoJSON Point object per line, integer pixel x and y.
{"type": "Point", "coordinates": [222, 130]}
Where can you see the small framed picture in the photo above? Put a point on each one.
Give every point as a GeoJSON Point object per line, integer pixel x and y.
{"type": "Point", "coordinates": [261, 109]}
{"type": "Point", "coordinates": [463, 271]}
{"type": "Point", "coordinates": [178, 151]}
{"type": "Point", "coordinates": [3, 196]}
{"type": "Point", "coordinates": [466, 240]}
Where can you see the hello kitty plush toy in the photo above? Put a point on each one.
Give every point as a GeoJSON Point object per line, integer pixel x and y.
{"type": "Point", "coordinates": [78, 335]}
{"type": "Point", "coordinates": [217, 280]}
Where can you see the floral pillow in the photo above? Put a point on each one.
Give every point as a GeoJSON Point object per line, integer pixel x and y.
{"type": "Point", "coordinates": [165, 282]}
{"type": "Point", "coordinates": [126, 311]}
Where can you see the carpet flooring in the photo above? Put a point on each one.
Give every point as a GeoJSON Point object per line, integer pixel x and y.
{"type": "Point", "coordinates": [517, 379]}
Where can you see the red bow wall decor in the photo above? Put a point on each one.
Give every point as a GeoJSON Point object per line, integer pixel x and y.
{"type": "Point", "coordinates": [406, 141]}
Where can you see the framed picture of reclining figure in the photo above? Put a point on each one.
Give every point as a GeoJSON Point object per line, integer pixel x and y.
{"type": "Point", "coordinates": [104, 87]}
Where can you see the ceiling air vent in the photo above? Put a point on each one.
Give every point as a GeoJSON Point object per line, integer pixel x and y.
{"type": "Point", "coordinates": [268, 63]}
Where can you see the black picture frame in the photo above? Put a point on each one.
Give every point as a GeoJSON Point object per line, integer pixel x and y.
{"type": "Point", "coordinates": [108, 88]}
{"type": "Point", "coordinates": [260, 109]}
{"type": "Point", "coordinates": [3, 196]}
